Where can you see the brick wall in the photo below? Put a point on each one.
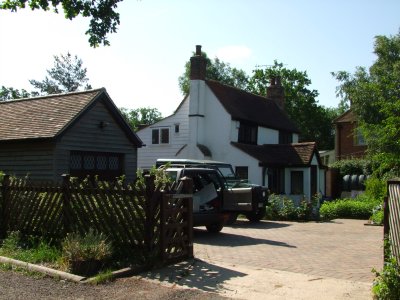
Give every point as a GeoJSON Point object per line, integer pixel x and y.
{"type": "Point", "coordinates": [346, 143]}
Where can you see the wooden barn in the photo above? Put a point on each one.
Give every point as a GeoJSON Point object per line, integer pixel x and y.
{"type": "Point", "coordinates": [81, 133]}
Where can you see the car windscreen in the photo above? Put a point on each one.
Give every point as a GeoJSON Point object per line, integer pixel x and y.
{"type": "Point", "coordinates": [226, 171]}
{"type": "Point", "coordinates": [172, 174]}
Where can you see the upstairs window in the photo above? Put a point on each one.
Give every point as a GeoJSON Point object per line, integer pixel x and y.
{"type": "Point", "coordinates": [359, 138]}
{"type": "Point", "coordinates": [285, 137]}
{"type": "Point", "coordinates": [248, 133]}
{"type": "Point", "coordinates": [160, 136]}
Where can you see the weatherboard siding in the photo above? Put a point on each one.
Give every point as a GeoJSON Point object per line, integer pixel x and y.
{"type": "Point", "coordinates": [87, 135]}
{"type": "Point", "coordinates": [148, 155]}
{"type": "Point", "coordinates": [32, 159]}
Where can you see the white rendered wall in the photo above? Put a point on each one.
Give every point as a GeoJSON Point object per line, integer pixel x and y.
{"type": "Point", "coordinates": [148, 155]}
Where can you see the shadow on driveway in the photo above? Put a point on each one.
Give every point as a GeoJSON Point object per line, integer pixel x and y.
{"type": "Point", "coordinates": [194, 274]}
{"type": "Point", "coordinates": [231, 240]}
{"type": "Point", "coordinates": [242, 223]}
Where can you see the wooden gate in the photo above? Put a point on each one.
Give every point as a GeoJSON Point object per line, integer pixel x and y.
{"type": "Point", "coordinates": [392, 218]}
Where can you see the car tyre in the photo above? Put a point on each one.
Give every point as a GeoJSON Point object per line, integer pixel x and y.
{"type": "Point", "coordinates": [215, 227]}
{"type": "Point", "coordinates": [256, 217]}
{"type": "Point", "coordinates": [232, 219]}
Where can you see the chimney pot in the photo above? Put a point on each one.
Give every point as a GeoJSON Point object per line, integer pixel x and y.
{"type": "Point", "coordinates": [275, 92]}
{"type": "Point", "coordinates": [198, 65]}
{"type": "Point", "coordinates": [198, 50]}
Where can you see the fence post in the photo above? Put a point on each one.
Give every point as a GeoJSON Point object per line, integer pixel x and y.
{"type": "Point", "coordinates": [188, 189]}
{"type": "Point", "coordinates": [149, 205]}
{"type": "Point", "coordinates": [66, 203]}
{"type": "Point", "coordinates": [163, 207]}
{"type": "Point", "coordinates": [3, 205]}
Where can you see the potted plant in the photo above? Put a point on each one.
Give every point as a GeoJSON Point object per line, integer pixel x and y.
{"type": "Point", "coordinates": [85, 254]}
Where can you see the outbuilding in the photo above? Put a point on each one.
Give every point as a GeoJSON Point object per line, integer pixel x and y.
{"type": "Point", "coordinates": [80, 133]}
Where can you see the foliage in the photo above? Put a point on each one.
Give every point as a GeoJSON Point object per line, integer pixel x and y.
{"type": "Point", "coordinates": [215, 70]}
{"type": "Point", "coordinates": [376, 188]}
{"type": "Point", "coordinates": [359, 208]}
{"type": "Point", "coordinates": [29, 249]}
{"type": "Point", "coordinates": [386, 285]}
{"type": "Point", "coordinates": [91, 246]}
{"type": "Point", "coordinates": [356, 166]}
{"type": "Point", "coordinates": [374, 95]}
{"type": "Point", "coordinates": [104, 18]}
{"type": "Point", "coordinates": [8, 93]}
{"type": "Point", "coordinates": [313, 120]}
{"type": "Point", "coordinates": [377, 215]}
{"type": "Point", "coordinates": [67, 75]}
{"type": "Point", "coordinates": [140, 116]}
{"type": "Point", "coordinates": [161, 178]}
{"type": "Point", "coordinates": [283, 208]}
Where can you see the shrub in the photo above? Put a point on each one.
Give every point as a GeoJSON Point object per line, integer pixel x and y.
{"type": "Point", "coordinates": [91, 246]}
{"type": "Point", "coordinates": [376, 188]}
{"type": "Point", "coordinates": [347, 208]}
{"type": "Point", "coordinates": [283, 208]}
{"type": "Point", "coordinates": [377, 215]}
{"type": "Point", "coordinates": [386, 285]}
{"type": "Point", "coordinates": [352, 166]}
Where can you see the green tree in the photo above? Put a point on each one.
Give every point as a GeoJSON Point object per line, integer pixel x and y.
{"type": "Point", "coordinates": [8, 93]}
{"type": "Point", "coordinates": [67, 75]}
{"type": "Point", "coordinates": [313, 120]}
{"type": "Point", "coordinates": [104, 18]}
{"type": "Point", "coordinates": [374, 96]}
{"type": "Point", "coordinates": [215, 70]}
{"type": "Point", "coordinates": [141, 116]}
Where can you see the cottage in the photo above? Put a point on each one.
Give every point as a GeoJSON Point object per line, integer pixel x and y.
{"type": "Point", "coordinates": [81, 133]}
{"type": "Point", "coordinates": [251, 132]}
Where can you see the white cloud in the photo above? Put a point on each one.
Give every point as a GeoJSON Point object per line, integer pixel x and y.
{"type": "Point", "coordinates": [234, 53]}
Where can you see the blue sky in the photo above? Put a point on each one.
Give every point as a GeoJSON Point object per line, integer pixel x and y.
{"type": "Point", "coordinates": [156, 38]}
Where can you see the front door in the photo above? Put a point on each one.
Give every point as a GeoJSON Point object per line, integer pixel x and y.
{"type": "Point", "coordinates": [314, 175]}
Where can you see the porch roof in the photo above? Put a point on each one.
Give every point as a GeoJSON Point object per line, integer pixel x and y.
{"type": "Point", "coordinates": [281, 155]}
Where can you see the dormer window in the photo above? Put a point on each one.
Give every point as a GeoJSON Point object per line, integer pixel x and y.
{"type": "Point", "coordinates": [285, 137]}
{"type": "Point", "coordinates": [248, 133]}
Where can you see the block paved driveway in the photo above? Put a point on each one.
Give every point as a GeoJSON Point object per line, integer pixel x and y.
{"type": "Point", "coordinates": [343, 249]}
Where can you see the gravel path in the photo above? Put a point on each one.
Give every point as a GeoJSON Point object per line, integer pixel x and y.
{"type": "Point", "coordinates": [15, 285]}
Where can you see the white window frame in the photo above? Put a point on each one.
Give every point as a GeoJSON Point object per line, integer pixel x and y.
{"type": "Point", "coordinates": [160, 140]}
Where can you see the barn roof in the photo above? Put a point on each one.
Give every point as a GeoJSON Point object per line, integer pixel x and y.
{"type": "Point", "coordinates": [48, 117]}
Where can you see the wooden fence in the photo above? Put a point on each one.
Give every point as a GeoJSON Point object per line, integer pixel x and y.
{"type": "Point", "coordinates": [139, 219]}
{"type": "Point", "coordinates": [392, 218]}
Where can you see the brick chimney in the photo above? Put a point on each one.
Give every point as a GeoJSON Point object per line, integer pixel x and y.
{"type": "Point", "coordinates": [197, 65]}
{"type": "Point", "coordinates": [275, 92]}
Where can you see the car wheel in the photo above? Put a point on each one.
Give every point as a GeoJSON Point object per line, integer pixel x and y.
{"type": "Point", "coordinates": [256, 217]}
{"type": "Point", "coordinates": [232, 219]}
{"type": "Point", "coordinates": [215, 227]}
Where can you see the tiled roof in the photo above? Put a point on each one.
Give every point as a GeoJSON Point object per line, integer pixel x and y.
{"type": "Point", "coordinates": [297, 154]}
{"type": "Point", "coordinates": [348, 116]}
{"type": "Point", "coordinates": [245, 106]}
{"type": "Point", "coordinates": [42, 117]}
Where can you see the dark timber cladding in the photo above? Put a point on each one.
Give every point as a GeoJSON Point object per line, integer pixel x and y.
{"type": "Point", "coordinates": [38, 135]}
